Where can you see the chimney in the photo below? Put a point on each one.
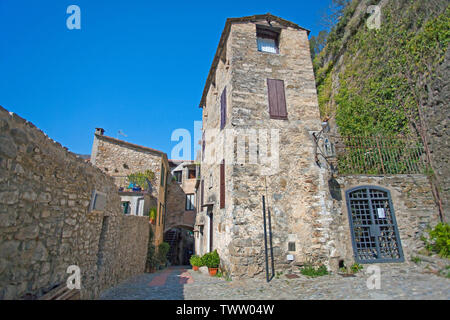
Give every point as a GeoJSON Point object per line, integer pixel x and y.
{"type": "Point", "coordinates": [99, 131]}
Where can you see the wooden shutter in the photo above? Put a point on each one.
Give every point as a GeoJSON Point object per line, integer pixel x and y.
{"type": "Point", "coordinates": [222, 185]}
{"type": "Point", "coordinates": [203, 145]}
{"type": "Point", "coordinates": [223, 108]}
{"type": "Point", "coordinates": [277, 99]}
{"type": "Point", "coordinates": [202, 191]}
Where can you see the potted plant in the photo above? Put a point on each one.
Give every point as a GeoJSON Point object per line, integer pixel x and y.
{"type": "Point", "coordinates": [152, 215]}
{"type": "Point", "coordinates": [212, 261]}
{"type": "Point", "coordinates": [195, 261]}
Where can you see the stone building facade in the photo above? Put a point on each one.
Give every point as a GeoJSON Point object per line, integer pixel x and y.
{"type": "Point", "coordinates": [118, 159]}
{"type": "Point", "coordinates": [259, 113]}
{"type": "Point", "coordinates": [181, 200]}
{"type": "Point", "coordinates": [181, 206]}
{"type": "Point", "coordinates": [50, 221]}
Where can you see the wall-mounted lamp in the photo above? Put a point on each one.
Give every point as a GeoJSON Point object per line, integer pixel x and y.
{"type": "Point", "coordinates": [325, 127]}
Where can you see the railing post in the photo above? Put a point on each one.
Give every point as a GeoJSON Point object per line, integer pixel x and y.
{"type": "Point", "coordinates": [265, 238]}
{"type": "Point", "coordinates": [381, 156]}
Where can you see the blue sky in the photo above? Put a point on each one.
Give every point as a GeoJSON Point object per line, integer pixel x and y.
{"type": "Point", "coordinates": [135, 66]}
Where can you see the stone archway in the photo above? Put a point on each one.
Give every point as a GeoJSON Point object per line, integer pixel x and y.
{"type": "Point", "coordinates": [181, 241]}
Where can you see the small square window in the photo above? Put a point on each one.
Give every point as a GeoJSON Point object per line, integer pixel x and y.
{"type": "Point", "coordinates": [178, 176]}
{"type": "Point", "coordinates": [267, 39]}
{"type": "Point", "coordinates": [291, 246]}
{"type": "Point", "coordinates": [126, 207]}
{"type": "Point", "coordinates": [191, 174]}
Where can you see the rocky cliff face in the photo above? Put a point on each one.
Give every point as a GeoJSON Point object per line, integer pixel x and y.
{"type": "Point", "coordinates": [390, 78]}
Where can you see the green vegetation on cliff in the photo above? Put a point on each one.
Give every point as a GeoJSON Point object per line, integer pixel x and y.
{"type": "Point", "coordinates": [372, 81]}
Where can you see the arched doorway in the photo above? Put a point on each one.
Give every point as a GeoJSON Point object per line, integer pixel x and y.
{"type": "Point", "coordinates": [373, 226]}
{"type": "Point", "coordinates": [181, 241]}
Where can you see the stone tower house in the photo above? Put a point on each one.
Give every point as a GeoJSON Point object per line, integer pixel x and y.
{"type": "Point", "coordinates": [260, 127]}
{"type": "Point", "coordinates": [260, 100]}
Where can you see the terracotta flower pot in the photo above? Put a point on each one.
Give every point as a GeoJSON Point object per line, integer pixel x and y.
{"type": "Point", "coordinates": [212, 271]}
{"type": "Point", "coordinates": [195, 268]}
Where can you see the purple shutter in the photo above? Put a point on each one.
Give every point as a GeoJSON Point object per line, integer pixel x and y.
{"type": "Point", "coordinates": [223, 108]}
{"type": "Point", "coordinates": [222, 184]}
{"type": "Point", "coordinates": [277, 99]}
{"type": "Point", "coordinates": [203, 145]}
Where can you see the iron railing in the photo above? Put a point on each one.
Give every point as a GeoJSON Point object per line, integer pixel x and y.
{"type": "Point", "coordinates": [379, 155]}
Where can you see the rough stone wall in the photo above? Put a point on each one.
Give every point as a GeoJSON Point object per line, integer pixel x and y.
{"type": "Point", "coordinates": [118, 160]}
{"type": "Point", "coordinates": [210, 165]}
{"type": "Point", "coordinates": [45, 222]}
{"type": "Point", "coordinates": [133, 246]}
{"type": "Point", "coordinates": [292, 191]}
{"type": "Point", "coordinates": [437, 115]}
{"type": "Point", "coordinates": [414, 210]}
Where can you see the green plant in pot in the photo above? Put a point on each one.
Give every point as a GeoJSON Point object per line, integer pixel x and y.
{"type": "Point", "coordinates": [152, 215]}
{"type": "Point", "coordinates": [196, 262]}
{"type": "Point", "coordinates": [212, 261]}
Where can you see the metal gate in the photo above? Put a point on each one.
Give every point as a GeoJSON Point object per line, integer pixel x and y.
{"type": "Point", "coordinates": [374, 229]}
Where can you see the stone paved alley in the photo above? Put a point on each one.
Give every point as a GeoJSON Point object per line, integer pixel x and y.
{"type": "Point", "coordinates": [405, 281]}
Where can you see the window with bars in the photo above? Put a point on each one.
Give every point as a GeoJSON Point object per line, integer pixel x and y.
{"type": "Point", "coordinates": [374, 228]}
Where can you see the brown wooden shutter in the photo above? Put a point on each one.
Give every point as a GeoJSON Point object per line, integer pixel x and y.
{"type": "Point", "coordinates": [203, 145]}
{"type": "Point", "coordinates": [202, 191]}
{"type": "Point", "coordinates": [222, 185]}
{"type": "Point", "coordinates": [277, 99]}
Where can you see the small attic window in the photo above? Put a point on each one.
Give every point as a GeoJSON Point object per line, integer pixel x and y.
{"type": "Point", "coordinates": [267, 39]}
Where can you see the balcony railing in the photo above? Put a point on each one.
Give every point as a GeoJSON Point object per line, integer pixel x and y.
{"type": "Point", "coordinates": [378, 155]}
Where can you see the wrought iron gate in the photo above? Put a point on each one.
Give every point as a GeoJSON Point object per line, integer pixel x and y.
{"type": "Point", "coordinates": [374, 229]}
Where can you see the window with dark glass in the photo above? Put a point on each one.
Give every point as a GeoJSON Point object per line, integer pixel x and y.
{"type": "Point", "coordinates": [178, 176]}
{"type": "Point", "coordinates": [191, 174]}
{"type": "Point", "coordinates": [126, 207]}
{"type": "Point", "coordinates": [190, 200]}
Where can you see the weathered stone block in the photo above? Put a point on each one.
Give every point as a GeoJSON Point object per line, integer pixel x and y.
{"type": "Point", "coordinates": [7, 147]}
{"type": "Point", "coordinates": [29, 232]}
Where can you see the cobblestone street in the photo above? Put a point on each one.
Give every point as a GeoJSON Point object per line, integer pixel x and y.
{"type": "Point", "coordinates": [404, 281]}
